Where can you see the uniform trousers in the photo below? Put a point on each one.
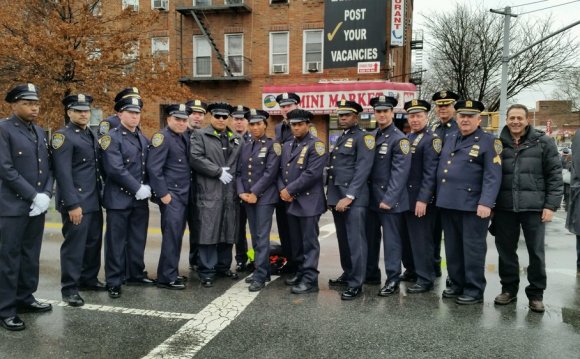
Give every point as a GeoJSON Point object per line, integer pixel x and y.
{"type": "Point", "coordinates": [507, 235]}
{"type": "Point", "coordinates": [80, 253]}
{"type": "Point", "coordinates": [284, 232]}
{"type": "Point", "coordinates": [419, 236]}
{"type": "Point", "coordinates": [466, 247]}
{"type": "Point", "coordinates": [304, 236]}
{"type": "Point", "coordinates": [125, 239]}
{"type": "Point", "coordinates": [437, 236]}
{"type": "Point", "coordinates": [172, 229]}
{"type": "Point", "coordinates": [392, 225]}
{"type": "Point", "coordinates": [214, 258]}
{"type": "Point", "coordinates": [241, 241]}
{"type": "Point", "coordinates": [20, 242]}
{"type": "Point", "coordinates": [193, 231]}
{"type": "Point", "coordinates": [352, 243]}
{"type": "Point", "coordinates": [260, 221]}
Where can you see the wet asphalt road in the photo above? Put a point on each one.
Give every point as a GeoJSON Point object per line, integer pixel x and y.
{"type": "Point", "coordinates": [227, 322]}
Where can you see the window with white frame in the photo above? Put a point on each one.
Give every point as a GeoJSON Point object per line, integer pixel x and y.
{"type": "Point", "coordinates": [313, 40]}
{"type": "Point", "coordinates": [201, 2]}
{"type": "Point", "coordinates": [160, 46]}
{"type": "Point", "coordinates": [279, 52]}
{"type": "Point", "coordinates": [131, 4]}
{"type": "Point", "coordinates": [131, 56]}
{"type": "Point", "coordinates": [160, 5]}
{"type": "Point", "coordinates": [202, 56]}
{"type": "Point", "coordinates": [235, 53]}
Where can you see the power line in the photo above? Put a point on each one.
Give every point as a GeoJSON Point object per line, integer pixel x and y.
{"type": "Point", "coordinates": [530, 3]}
{"type": "Point", "coordinates": [549, 7]}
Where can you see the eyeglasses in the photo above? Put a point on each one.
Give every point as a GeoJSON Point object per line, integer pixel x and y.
{"type": "Point", "coordinates": [221, 117]}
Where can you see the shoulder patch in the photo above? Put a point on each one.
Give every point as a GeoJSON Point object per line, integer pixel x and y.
{"type": "Point", "coordinates": [313, 131]}
{"type": "Point", "coordinates": [105, 141]}
{"type": "Point", "coordinates": [104, 127]}
{"type": "Point", "coordinates": [57, 140]}
{"type": "Point", "coordinates": [277, 148]}
{"type": "Point", "coordinates": [369, 141]}
{"type": "Point", "coordinates": [320, 149]}
{"type": "Point", "coordinates": [437, 144]}
{"type": "Point", "coordinates": [157, 139]}
{"type": "Point", "coordinates": [497, 145]}
{"type": "Point", "coordinates": [405, 145]}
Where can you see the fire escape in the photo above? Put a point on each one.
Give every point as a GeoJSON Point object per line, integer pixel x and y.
{"type": "Point", "coordinates": [417, 68]}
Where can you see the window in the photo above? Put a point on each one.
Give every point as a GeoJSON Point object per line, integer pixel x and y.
{"type": "Point", "coordinates": [202, 56]}
{"type": "Point", "coordinates": [131, 56]}
{"type": "Point", "coordinates": [131, 4]}
{"type": "Point", "coordinates": [279, 52]}
{"type": "Point", "coordinates": [201, 2]}
{"type": "Point", "coordinates": [160, 5]}
{"type": "Point", "coordinates": [160, 46]}
{"type": "Point", "coordinates": [312, 51]}
{"type": "Point", "coordinates": [235, 53]}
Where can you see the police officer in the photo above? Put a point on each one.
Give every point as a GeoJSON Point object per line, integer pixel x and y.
{"type": "Point", "coordinates": [195, 119]}
{"type": "Point", "coordinates": [419, 219]}
{"type": "Point", "coordinates": [214, 157]}
{"type": "Point", "coordinates": [124, 152]}
{"type": "Point", "coordinates": [388, 195]}
{"type": "Point", "coordinates": [170, 177]}
{"type": "Point", "coordinates": [301, 187]}
{"type": "Point", "coordinates": [256, 180]}
{"type": "Point", "coordinates": [25, 186]}
{"type": "Point", "coordinates": [468, 181]}
{"type": "Point", "coordinates": [444, 101]}
{"type": "Point", "coordinates": [113, 121]}
{"type": "Point", "coordinates": [350, 164]}
{"type": "Point", "coordinates": [240, 125]}
{"type": "Point", "coordinates": [77, 170]}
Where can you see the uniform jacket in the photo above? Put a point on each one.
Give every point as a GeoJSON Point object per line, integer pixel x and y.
{"type": "Point", "coordinates": [531, 173]}
{"type": "Point", "coordinates": [108, 124]}
{"type": "Point", "coordinates": [77, 169]}
{"type": "Point", "coordinates": [390, 171]}
{"type": "Point", "coordinates": [350, 164]}
{"type": "Point", "coordinates": [283, 133]}
{"type": "Point", "coordinates": [24, 166]}
{"type": "Point", "coordinates": [425, 149]}
{"type": "Point", "coordinates": [444, 130]}
{"type": "Point", "coordinates": [573, 215]}
{"type": "Point", "coordinates": [124, 162]}
{"type": "Point", "coordinates": [217, 203]}
{"type": "Point", "coordinates": [301, 172]}
{"type": "Point", "coordinates": [469, 172]}
{"type": "Point", "coordinates": [258, 168]}
{"type": "Point", "coordinates": [168, 165]}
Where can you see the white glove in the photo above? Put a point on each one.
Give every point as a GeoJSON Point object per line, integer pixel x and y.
{"type": "Point", "coordinates": [144, 192]}
{"type": "Point", "coordinates": [226, 177]}
{"type": "Point", "coordinates": [41, 200]}
{"type": "Point", "coordinates": [35, 211]}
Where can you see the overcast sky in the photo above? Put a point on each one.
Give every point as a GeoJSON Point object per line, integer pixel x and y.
{"type": "Point", "coordinates": [562, 15]}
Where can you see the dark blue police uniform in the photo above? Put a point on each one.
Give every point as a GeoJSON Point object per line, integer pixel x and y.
{"type": "Point", "coordinates": [113, 121]}
{"type": "Point", "coordinates": [169, 174]}
{"type": "Point", "coordinates": [350, 164]}
{"type": "Point", "coordinates": [77, 170]}
{"type": "Point", "coordinates": [24, 173]}
{"type": "Point", "coordinates": [468, 175]}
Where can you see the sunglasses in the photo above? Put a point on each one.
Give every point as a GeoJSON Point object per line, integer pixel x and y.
{"type": "Point", "coordinates": [221, 117]}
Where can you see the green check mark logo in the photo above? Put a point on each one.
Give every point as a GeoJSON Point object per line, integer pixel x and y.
{"type": "Point", "coordinates": [331, 35]}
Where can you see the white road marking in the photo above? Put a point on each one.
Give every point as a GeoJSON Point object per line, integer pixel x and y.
{"type": "Point", "coordinates": [326, 231]}
{"type": "Point", "coordinates": [208, 323]}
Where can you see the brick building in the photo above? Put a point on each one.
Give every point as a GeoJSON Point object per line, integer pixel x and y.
{"type": "Point", "coordinates": [248, 51]}
{"type": "Point", "coordinates": [563, 121]}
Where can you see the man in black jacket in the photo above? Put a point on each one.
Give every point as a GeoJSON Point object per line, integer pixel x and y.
{"type": "Point", "coordinates": [531, 191]}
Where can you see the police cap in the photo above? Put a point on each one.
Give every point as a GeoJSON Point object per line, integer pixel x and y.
{"type": "Point", "coordinates": [197, 106]}
{"type": "Point", "coordinates": [240, 111]}
{"type": "Point", "coordinates": [469, 107]}
{"type": "Point", "coordinates": [22, 92]}
{"type": "Point", "coordinates": [220, 108]}
{"type": "Point", "coordinates": [445, 97]}
{"type": "Point", "coordinates": [254, 115]}
{"type": "Point", "coordinates": [128, 92]}
{"type": "Point", "coordinates": [179, 111]}
{"type": "Point", "coordinates": [78, 102]}
{"type": "Point", "coordinates": [287, 98]}
{"type": "Point", "coordinates": [383, 102]}
{"type": "Point", "coordinates": [417, 106]}
{"type": "Point", "coordinates": [345, 107]}
{"type": "Point", "coordinates": [299, 115]}
{"type": "Point", "coordinates": [132, 104]}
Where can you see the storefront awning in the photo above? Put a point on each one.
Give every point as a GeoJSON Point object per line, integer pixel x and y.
{"type": "Point", "coordinates": [321, 98]}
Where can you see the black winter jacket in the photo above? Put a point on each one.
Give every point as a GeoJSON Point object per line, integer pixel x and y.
{"type": "Point", "coordinates": [531, 173]}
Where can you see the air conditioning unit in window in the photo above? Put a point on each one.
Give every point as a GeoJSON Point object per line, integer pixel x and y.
{"type": "Point", "coordinates": [313, 66]}
{"type": "Point", "coordinates": [234, 2]}
{"type": "Point", "coordinates": [279, 69]}
{"type": "Point", "coordinates": [133, 7]}
{"type": "Point", "coordinates": [162, 5]}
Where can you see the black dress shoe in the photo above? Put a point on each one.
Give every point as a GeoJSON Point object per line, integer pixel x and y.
{"type": "Point", "coordinates": [390, 287]}
{"type": "Point", "coordinates": [228, 274]}
{"type": "Point", "coordinates": [34, 307]}
{"type": "Point", "coordinates": [74, 300]}
{"type": "Point", "coordinates": [350, 293]}
{"type": "Point", "coordinates": [373, 281]}
{"type": "Point", "coordinates": [97, 286]}
{"type": "Point", "coordinates": [293, 280]}
{"type": "Point", "coordinates": [338, 281]}
{"type": "Point", "coordinates": [451, 293]}
{"type": "Point", "coordinates": [12, 323]}
{"type": "Point", "coordinates": [176, 285]}
{"type": "Point", "coordinates": [418, 288]}
{"type": "Point", "coordinates": [141, 281]}
{"type": "Point", "coordinates": [241, 267]}
{"type": "Point", "coordinates": [250, 279]}
{"type": "Point", "coordinates": [448, 282]}
{"type": "Point", "coordinates": [114, 291]}
{"type": "Point", "coordinates": [256, 286]}
{"type": "Point", "coordinates": [181, 278]}
{"type": "Point", "coordinates": [408, 277]}
{"type": "Point", "coordinates": [193, 267]}
{"type": "Point", "coordinates": [466, 300]}
{"type": "Point", "coordinates": [303, 288]}
{"type": "Point", "coordinates": [207, 283]}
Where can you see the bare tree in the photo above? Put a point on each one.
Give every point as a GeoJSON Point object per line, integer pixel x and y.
{"type": "Point", "coordinates": [568, 88]}
{"type": "Point", "coordinates": [466, 49]}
